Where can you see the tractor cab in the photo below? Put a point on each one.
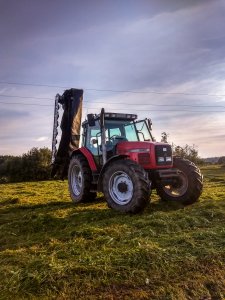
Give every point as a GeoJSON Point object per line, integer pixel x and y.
{"type": "Point", "coordinates": [118, 128]}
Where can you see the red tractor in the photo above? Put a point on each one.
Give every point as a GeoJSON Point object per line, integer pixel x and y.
{"type": "Point", "coordinates": [119, 157]}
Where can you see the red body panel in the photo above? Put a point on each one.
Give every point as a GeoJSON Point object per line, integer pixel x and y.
{"type": "Point", "coordinates": [89, 157]}
{"type": "Point", "coordinates": [148, 160]}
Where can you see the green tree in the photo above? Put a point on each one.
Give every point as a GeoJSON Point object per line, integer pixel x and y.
{"type": "Point", "coordinates": [34, 165]}
{"type": "Point", "coordinates": [188, 152]}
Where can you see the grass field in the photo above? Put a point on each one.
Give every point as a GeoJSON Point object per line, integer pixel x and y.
{"type": "Point", "coordinates": [52, 249]}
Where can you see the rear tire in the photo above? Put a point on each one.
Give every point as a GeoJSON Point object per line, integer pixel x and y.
{"type": "Point", "coordinates": [126, 187]}
{"type": "Point", "coordinates": [189, 186]}
{"type": "Point", "coordinates": [79, 180]}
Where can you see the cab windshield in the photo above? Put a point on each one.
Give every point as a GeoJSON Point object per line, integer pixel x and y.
{"type": "Point", "coordinates": [132, 132]}
{"type": "Point", "coordinates": [117, 131]}
{"type": "Point", "coordinates": [120, 129]}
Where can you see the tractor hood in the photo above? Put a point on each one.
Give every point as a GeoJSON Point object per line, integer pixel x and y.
{"type": "Point", "coordinates": [129, 146]}
{"type": "Point", "coordinates": [138, 146]}
{"type": "Point", "coordinates": [150, 155]}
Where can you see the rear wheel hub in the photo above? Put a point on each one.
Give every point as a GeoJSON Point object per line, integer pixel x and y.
{"type": "Point", "coordinates": [179, 187]}
{"type": "Point", "coordinates": [76, 180]}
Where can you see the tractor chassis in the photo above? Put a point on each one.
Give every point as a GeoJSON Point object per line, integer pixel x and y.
{"type": "Point", "coordinates": [164, 177]}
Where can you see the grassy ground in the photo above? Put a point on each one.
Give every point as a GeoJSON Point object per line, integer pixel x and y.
{"type": "Point", "coordinates": [51, 249]}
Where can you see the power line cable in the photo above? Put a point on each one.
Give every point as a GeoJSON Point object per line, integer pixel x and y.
{"type": "Point", "coordinates": [91, 108]}
{"type": "Point", "coordinates": [28, 104]}
{"type": "Point", "coordinates": [160, 110]}
{"type": "Point", "coordinates": [120, 103]}
{"type": "Point", "coordinates": [151, 104]}
{"type": "Point", "coordinates": [34, 84]}
{"type": "Point", "coordinates": [116, 91]}
{"type": "Point", "coordinates": [157, 93]}
{"type": "Point", "coordinates": [25, 97]}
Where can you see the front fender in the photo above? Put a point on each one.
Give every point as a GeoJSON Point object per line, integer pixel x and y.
{"type": "Point", "coordinates": [88, 155]}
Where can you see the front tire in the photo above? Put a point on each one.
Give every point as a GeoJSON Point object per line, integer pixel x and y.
{"type": "Point", "coordinates": [188, 187]}
{"type": "Point", "coordinates": [79, 180]}
{"type": "Point", "coordinates": [126, 187]}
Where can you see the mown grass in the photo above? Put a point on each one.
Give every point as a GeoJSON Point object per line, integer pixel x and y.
{"type": "Point", "coordinates": [52, 249]}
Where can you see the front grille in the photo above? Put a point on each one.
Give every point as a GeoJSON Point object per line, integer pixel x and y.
{"type": "Point", "coordinates": [163, 155]}
{"type": "Point", "coordinates": [143, 158]}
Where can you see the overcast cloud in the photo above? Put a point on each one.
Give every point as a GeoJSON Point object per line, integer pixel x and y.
{"type": "Point", "coordinates": [175, 47]}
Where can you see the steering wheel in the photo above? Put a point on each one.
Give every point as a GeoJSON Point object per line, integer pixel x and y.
{"type": "Point", "coordinates": [117, 138]}
{"type": "Point", "coordinates": [113, 137]}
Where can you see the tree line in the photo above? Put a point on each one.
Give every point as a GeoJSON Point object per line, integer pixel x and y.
{"type": "Point", "coordinates": [32, 166]}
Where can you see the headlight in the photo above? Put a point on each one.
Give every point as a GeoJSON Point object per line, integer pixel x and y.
{"type": "Point", "coordinates": [163, 159]}
{"type": "Point", "coordinates": [160, 159]}
{"type": "Point", "coordinates": [168, 158]}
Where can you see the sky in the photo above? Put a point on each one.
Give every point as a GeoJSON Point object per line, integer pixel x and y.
{"type": "Point", "coordinates": [161, 59]}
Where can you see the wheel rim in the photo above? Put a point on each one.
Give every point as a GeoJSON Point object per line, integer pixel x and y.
{"type": "Point", "coordinates": [180, 188]}
{"type": "Point", "coordinates": [76, 180]}
{"type": "Point", "coordinates": [121, 188]}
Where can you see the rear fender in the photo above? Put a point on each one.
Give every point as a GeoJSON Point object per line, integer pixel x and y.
{"type": "Point", "coordinates": [107, 164]}
{"type": "Point", "coordinates": [87, 154]}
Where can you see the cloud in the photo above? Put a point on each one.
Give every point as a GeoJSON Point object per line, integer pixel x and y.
{"type": "Point", "coordinates": [42, 139]}
{"type": "Point", "coordinates": [10, 114]}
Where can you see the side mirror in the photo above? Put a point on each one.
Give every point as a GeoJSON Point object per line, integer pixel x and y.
{"type": "Point", "coordinates": [91, 120]}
